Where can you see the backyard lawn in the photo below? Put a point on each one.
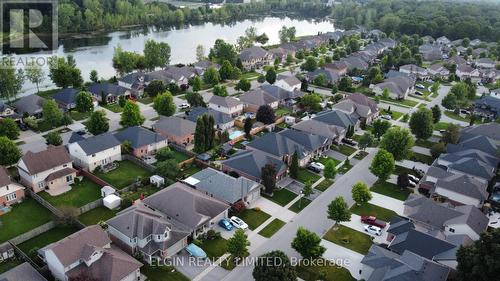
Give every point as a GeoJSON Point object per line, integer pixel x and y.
{"type": "Point", "coordinates": [272, 228]}
{"type": "Point", "coordinates": [78, 116]}
{"type": "Point", "coordinates": [253, 217]}
{"type": "Point", "coordinates": [391, 190]}
{"type": "Point", "coordinates": [22, 218]}
{"type": "Point", "coordinates": [214, 248]}
{"type": "Point", "coordinates": [418, 157]}
{"type": "Point", "coordinates": [281, 197]}
{"type": "Point", "coordinates": [299, 205]}
{"type": "Point", "coordinates": [162, 273]}
{"type": "Point", "coordinates": [8, 265]}
{"type": "Point", "coordinates": [373, 210]}
{"type": "Point", "coordinates": [324, 184]}
{"type": "Point", "coordinates": [81, 193]}
{"type": "Point", "coordinates": [190, 170]}
{"type": "Point", "coordinates": [282, 112]}
{"type": "Point", "coordinates": [96, 215]}
{"type": "Point", "coordinates": [344, 149]}
{"type": "Point", "coordinates": [305, 176]}
{"type": "Point", "coordinates": [179, 156]}
{"type": "Point", "coordinates": [326, 270]}
{"type": "Point", "coordinates": [55, 234]}
{"type": "Point", "coordinates": [424, 143]}
{"type": "Point", "coordinates": [349, 238]}
{"type": "Point", "coordinates": [124, 175]}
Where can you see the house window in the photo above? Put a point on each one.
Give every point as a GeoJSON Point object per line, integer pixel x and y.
{"type": "Point", "coordinates": [65, 165]}
{"type": "Point", "coordinates": [452, 230]}
{"type": "Point", "coordinates": [11, 196]}
{"type": "Point", "coordinates": [41, 184]}
{"type": "Point", "coordinates": [69, 178]}
{"type": "Point", "coordinates": [93, 155]}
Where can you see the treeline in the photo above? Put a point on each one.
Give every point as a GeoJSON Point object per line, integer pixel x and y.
{"type": "Point", "coordinates": [92, 15]}
{"type": "Point", "coordinates": [452, 19]}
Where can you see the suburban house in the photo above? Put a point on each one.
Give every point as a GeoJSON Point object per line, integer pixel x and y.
{"type": "Point", "coordinates": [399, 87]}
{"type": "Point", "coordinates": [160, 225]}
{"type": "Point", "coordinates": [22, 272]}
{"type": "Point", "coordinates": [223, 121]}
{"type": "Point", "coordinates": [31, 105]}
{"type": "Point", "coordinates": [89, 253]}
{"type": "Point", "coordinates": [330, 76]}
{"type": "Point", "coordinates": [143, 141]}
{"type": "Point", "coordinates": [490, 130]}
{"type": "Point", "coordinates": [135, 82]}
{"type": "Point", "coordinates": [96, 151]}
{"type": "Point", "coordinates": [108, 92]}
{"type": "Point", "coordinates": [487, 107]}
{"type": "Point", "coordinates": [443, 219]}
{"type": "Point", "coordinates": [456, 60]}
{"type": "Point", "coordinates": [484, 63]}
{"type": "Point", "coordinates": [430, 52]}
{"type": "Point", "coordinates": [479, 51]}
{"type": "Point", "coordinates": [465, 71]}
{"type": "Point", "coordinates": [438, 71]}
{"type": "Point", "coordinates": [338, 118]}
{"type": "Point", "coordinates": [10, 192]}
{"type": "Point", "coordinates": [49, 169]}
{"type": "Point", "coordinates": [177, 130]}
{"type": "Point", "coordinates": [286, 98]}
{"type": "Point", "coordinates": [224, 187]}
{"type": "Point", "coordinates": [227, 105]}
{"type": "Point", "coordinates": [338, 67]}
{"type": "Point", "coordinates": [203, 65]}
{"type": "Point", "coordinates": [249, 164]}
{"type": "Point", "coordinates": [443, 41]}
{"type": "Point", "coordinates": [354, 62]}
{"type": "Point", "coordinates": [255, 57]}
{"type": "Point", "coordinates": [419, 72]}
{"type": "Point", "coordinates": [173, 75]}
{"type": "Point", "coordinates": [429, 40]}
{"type": "Point", "coordinates": [66, 98]}
{"type": "Point", "coordinates": [332, 132]}
{"type": "Point", "coordinates": [256, 98]}
{"type": "Point", "coordinates": [360, 106]}
{"type": "Point", "coordinates": [8, 112]}
{"type": "Point", "coordinates": [473, 165]}
{"type": "Point", "coordinates": [282, 53]}
{"type": "Point", "coordinates": [288, 83]}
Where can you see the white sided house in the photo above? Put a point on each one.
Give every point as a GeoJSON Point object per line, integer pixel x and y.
{"type": "Point", "coordinates": [96, 151]}
{"type": "Point", "coordinates": [227, 105]}
{"type": "Point", "coordinates": [288, 83]}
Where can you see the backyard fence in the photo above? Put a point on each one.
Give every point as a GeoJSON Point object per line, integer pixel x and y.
{"type": "Point", "coordinates": [182, 149]}
{"type": "Point", "coordinates": [139, 162]}
{"type": "Point", "coordinates": [32, 233]}
{"type": "Point", "coordinates": [44, 203]}
{"type": "Point", "coordinates": [93, 178]}
{"type": "Point", "coordinates": [90, 206]}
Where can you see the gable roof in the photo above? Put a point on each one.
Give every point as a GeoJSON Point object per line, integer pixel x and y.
{"type": "Point", "coordinates": [399, 225]}
{"type": "Point", "coordinates": [258, 97]}
{"type": "Point", "coordinates": [491, 130]}
{"type": "Point", "coordinates": [45, 160]}
{"type": "Point", "coordinates": [252, 162]}
{"type": "Point", "coordinates": [224, 101]}
{"type": "Point", "coordinates": [139, 136]}
{"type": "Point", "coordinates": [98, 143]}
{"type": "Point", "coordinates": [66, 96]}
{"type": "Point", "coordinates": [398, 85]}
{"type": "Point", "coordinates": [22, 272]}
{"type": "Point", "coordinates": [336, 117]}
{"type": "Point", "coordinates": [107, 88]}
{"type": "Point", "coordinates": [319, 128]}
{"type": "Point", "coordinates": [473, 167]}
{"type": "Point", "coordinates": [220, 118]}
{"type": "Point", "coordinates": [4, 177]}
{"type": "Point", "coordinates": [31, 104]}
{"type": "Point", "coordinates": [253, 52]}
{"type": "Point", "coordinates": [278, 145]}
{"type": "Point", "coordinates": [465, 185]}
{"type": "Point", "coordinates": [482, 143]}
{"type": "Point", "coordinates": [310, 141]}
{"type": "Point", "coordinates": [427, 211]}
{"type": "Point", "coordinates": [290, 80]}
{"type": "Point", "coordinates": [173, 125]}
{"type": "Point", "coordinates": [281, 94]}
{"type": "Point", "coordinates": [413, 240]}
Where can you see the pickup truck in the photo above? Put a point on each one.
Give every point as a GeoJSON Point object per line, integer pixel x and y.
{"type": "Point", "coordinates": [371, 220]}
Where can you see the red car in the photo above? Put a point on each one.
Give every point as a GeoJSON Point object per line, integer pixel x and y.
{"type": "Point", "coordinates": [371, 220]}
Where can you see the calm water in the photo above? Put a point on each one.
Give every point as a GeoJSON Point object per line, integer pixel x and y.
{"type": "Point", "coordinates": [96, 52]}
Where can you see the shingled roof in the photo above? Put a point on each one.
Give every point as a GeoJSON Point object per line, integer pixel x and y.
{"type": "Point", "coordinates": [45, 160]}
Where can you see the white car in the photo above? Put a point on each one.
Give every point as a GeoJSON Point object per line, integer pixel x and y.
{"type": "Point", "coordinates": [386, 117]}
{"type": "Point", "coordinates": [413, 178]}
{"type": "Point", "coordinates": [411, 183]}
{"type": "Point", "coordinates": [373, 230]}
{"type": "Point", "coordinates": [318, 165]}
{"type": "Point", "coordinates": [184, 106]}
{"type": "Point", "coordinates": [420, 86]}
{"type": "Point", "coordinates": [238, 223]}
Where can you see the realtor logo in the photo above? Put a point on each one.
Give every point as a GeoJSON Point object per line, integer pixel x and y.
{"type": "Point", "coordinates": [28, 26]}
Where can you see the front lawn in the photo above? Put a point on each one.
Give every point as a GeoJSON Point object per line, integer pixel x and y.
{"type": "Point", "coordinates": [162, 273]}
{"type": "Point", "coordinates": [22, 218]}
{"type": "Point", "coordinates": [398, 170]}
{"type": "Point", "coordinates": [441, 126]}
{"type": "Point", "coordinates": [349, 238]}
{"type": "Point", "coordinates": [115, 107]}
{"type": "Point", "coordinates": [78, 116]}
{"type": "Point", "coordinates": [43, 126]}
{"type": "Point", "coordinates": [395, 115]}
{"type": "Point", "coordinates": [325, 270]}
{"type": "Point", "coordinates": [81, 193]}
{"type": "Point", "coordinates": [299, 205]}
{"type": "Point", "coordinates": [344, 149]}
{"type": "Point", "coordinates": [55, 234]}
{"type": "Point", "coordinates": [422, 158]}
{"type": "Point", "coordinates": [253, 217]}
{"type": "Point", "coordinates": [324, 160]}
{"type": "Point", "coordinates": [373, 210]}
{"type": "Point", "coordinates": [458, 117]}
{"type": "Point", "coordinates": [424, 143]}
{"type": "Point", "coordinates": [272, 228]}
{"type": "Point", "coordinates": [391, 190]}
{"type": "Point", "coordinates": [360, 155]}
{"type": "Point", "coordinates": [124, 175]}
{"type": "Point", "coordinates": [345, 168]}
{"type": "Point", "coordinates": [324, 184]}
{"type": "Point", "coordinates": [305, 176]}
{"type": "Point", "coordinates": [281, 197]}
{"type": "Point", "coordinates": [404, 103]}
{"type": "Point", "coordinates": [146, 100]}
{"type": "Point", "coordinates": [214, 248]}
{"type": "Point", "coordinates": [96, 215]}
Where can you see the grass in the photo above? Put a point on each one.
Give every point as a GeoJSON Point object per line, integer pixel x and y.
{"type": "Point", "coordinates": [344, 149]}
{"type": "Point", "coordinates": [345, 168]}
{"type": "Point", "coordinates": [162, 273]}
{"type": "Point", "coordinates": [179, 156]}
{"type": "Point", "coordinates": [253, 217]}
{"type": "Point", "coordinates": [48, 93]}
{"type": "Point", "coordinates": [360, 155]}
{"type": "Point", "coordinates": [214, 248]}
{"type": "Point", "coordinates": [441, 126]}
{"type": "Point", "coordinates": [298, 206]}
{"type": "Point", "coordinates": [146, 100]}
{"type": "Point", "coordinates": [349, 238]}
{"type": "Point", "coordinates": [124, 175]}
{"type": "Point", "coordinates": [96, 215]}
{"type": "Point", "coordinates": [422, 158]}
{"type": "Point", "coordinates": [78, 116]}
{"type": "Point", "coordinates": [8, 265]}
{"type": "Point", "coordinates": [190, 170]}
{"type": "Point", "coordinates": [282, 112]}
{"type": "Point", "coordinates": [43, 126]}
{"type": "Point", "coordinates": [405, 103]}
{"type": "Point", "coordinates": [229, 264]}
{"type": "Point", "coordinates": [424, 143]}
{"type": "Point", "coordinates": [115, 107]}
{"type": "Point", "coordinates": [305, 176]}
{"type": "Point", "coordinates": [81, 193]}
{"type": "Point", "coordinates": [373, 210]}
{"type": "Point", "coordinates": [452, 115]}
{"type": "Point", "coordinates": [136, 193]}
{"type": "Point", "coordinates": [55, 234]}
{"type": "Point", "coordinates": [282, 196]}
{"type": "Point", "coordinates": [324, 184]}
{"type": "Point", "coordinates": [323, 160]}
{"type": "Point", "coordinates": [272, 228]}
{"type": "Point", "coordinates": [395, 115]}
{"type": "Point", "coordinates": [250, 75]}
{"type": "Point", "coordinates": [327, 271]}
{"type": "Point", "coordinates": [22, 218]}
{"type": "Point", "coordinates": [391, 190]}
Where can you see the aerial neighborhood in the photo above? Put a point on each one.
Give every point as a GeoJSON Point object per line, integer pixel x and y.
{"type": "Point", "coordinates": [372, 151]}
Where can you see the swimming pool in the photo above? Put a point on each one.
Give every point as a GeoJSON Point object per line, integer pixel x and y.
{"type": "Point", "coordinates": [235, 134]}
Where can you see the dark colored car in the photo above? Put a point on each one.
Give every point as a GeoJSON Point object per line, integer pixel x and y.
{"type": "Point", "coordinates": [226, 224]}
{"type": "Point", "coordinates": [23, 127]}
{"type": "Point", "coordinates": [314, 169]}
{"type": "Point", "coordinates": [349, 142]}
{"type": "Point", "coordinates": [371, 220]}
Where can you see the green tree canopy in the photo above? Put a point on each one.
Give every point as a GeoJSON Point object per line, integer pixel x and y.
{"type": "Point", "coordinates": [53, 138]}
{"type": "Point", "coordinates": [361, 193]}
{"type": "Point", "coordinates": [9, 128]}
{"type": "Point", "coordinates": [237, 245]}
{"type": "Point", "coordinates": [84, 102]}
{"type": "Point", "coordinates": [211, 76]}
{"type": "Point", "coordinates": [382, 164]}
{"type": "Point", "coordinates": [98, 123]}
{"type": "Point", "coordinates": [156, 54]}
{"type": "Point", "coordinates": [51, 113]}
{"type": "Point", "coordinates": [421, 123]}
{"type": "Point", "coordinates": [307, 243]}
{"type": "Point", "coordinates": [338, 210]}
{"type": "Point", "coordinates": [9, 151]}
{"type": "Point", "coordinates": [380, 127]}
{"type": "Point", "coordinates": [265, 114]}
{"type": "Point", "coordinates": [330, 169]}
{"type": "Point", "coordinates": [195, 99]}
{"type": "Point", "coordinates": [131, 115]}
{"type": "Point", "coordinates": [398, 141]}
{"type": "Point", "coordinates": [274, 266]}
{"type": "Point", "coordinates": [164, 104]}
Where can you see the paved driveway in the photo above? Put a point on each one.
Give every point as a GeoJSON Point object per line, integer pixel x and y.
{"type": "Point", "coordinates": [344, 257]}
{"type": "Point", "coordinates": [356, 224]}
{"type": "Point", "coordinates": [387, 202]}
{"type": "Point", "coordinates": [335, 155]}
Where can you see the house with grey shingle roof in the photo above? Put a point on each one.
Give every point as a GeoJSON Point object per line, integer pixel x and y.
{"type": "Point", "coordinates": [249, 164]}
{"type": "Point", "coordinates": [222, 120]}
{"type": "Point", "coordinates": [286, 98]}
{"type": "Point", "coordinates": [108, 91]}
{"type": "Point", "coordinates": [418, 71]}
{"type": "Point", "coordinates": [288, 82]}
{"type": "Point", "coordinates": [399, 87]}
{"type": "Point", "coordinates": [177, 130]}
{"type": "Point", "coordinates": [255, 57]}
{"type": "Point", "coordinates": [437, 70]}
{"type": "Point", "coordinates": [227, 105]}
{"type": "Point", "coordinates": [360, 106]}
{"type": "Point", "coordinates": [22, 272]}
{"type": "Point", "coordinates": [338, 118]}
{"type": "Point", "coordinates": [224, 187]}
{"type": "Point", "coordinates": [333, 132]}
{"type": "Point", "coordinates": [8, 112]}
{"type": "Point", "coordinates": [203, 65]}
{"type": "Point", "coordinates": [330, 76]}
{"type": "Point", "coordinates": [488, 106]}
{"type": "Point", "coordinates": [66, 98]}
{"type": "Point", "coordinates": [143, 141]}
{"type": "Point", "coordinates": [31, 105]}
{"type": "Point", "coordinates": [491, 130]}
{"type": "Point", "coordinates": [256, 98]}
{"type": "Point", "coordinates": [481, 143]}
{"type": "Point", "coordinates": [96, 151]}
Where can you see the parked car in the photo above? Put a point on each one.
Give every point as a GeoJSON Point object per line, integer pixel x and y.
{"type": "Point", "coordinates": [386, 117]}
{"type": "Point", "coordinates": [413, 178]}
{"type": "Point", "coordinates": [23, 127]}
{"type": "Point", "coordinates": [411, 183]}
{"type": "Point", "coordinates": [238, 223]}
{"type": "Point", "coordinates": [349, 141]}
{"type": "Point", "coordinates": [320, 166]}
{"type": "Point", "coordinates": [226, 224]}
{"type": "Point", "coordinates": [418, 93]}
{"type": "Point", "coordinates": [184, 106]}
{"type": "Point", "coordinates": [313, 168]}
{"type": "Point", "coordinates": [464, 111]}
{"type": "Point", "coordinates": [195, 251]}
{"type": "Point", "coordinates": [420, 172]}
{"type": "Point", "coordinates": [373, 230]}
{"type": "Point", "coordinates": [81, 132]}
{"type": "Point", "coordinates": [420, 86]}
{"type": "Point", "coordinates": [371, 220]}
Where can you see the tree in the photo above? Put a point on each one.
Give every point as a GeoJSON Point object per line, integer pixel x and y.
{"type": "Point", "coordinates": [204, 134]}
{"type": "Point", "coordinates": [310, 102]}
{"type": "Point", "coordinates": [247, 127]}
{"type": "Point", "coordinates": [125, 62]}
{"type": "Point", "coordinates": [94, 77]}
{"type": "Point", "coordinates": [382, 164]}
{"type": "Point", "coordinates": [167, 169]}
{"type": "Point", "coordinates": [449, 102]}
{"type": "Point", "coordinates": [286, 34]}
{"type": "Point", "coordinates": [211, 76]}
{"type": "Point", "coordinates": [421, 123]}
{"type": "Point", "coordinates": [338, 210]}
{"type": "Point", "coordinates": [435, 87]}
{"type": "Point", "coordinates": [222, 51]}
{"type": "Point", "coordinates": [451, 134]}
{"type": "Point", "coordinates": [403, 180]}
{"type": "Point", "coordinates": [200, 52]}
{"type": "Point", "coordinates": [154, 88]}
{"type": "Point", "coordinates": [265, 114]}
{"type": "Point", "coordinates": [51, 113]}
{"type": "Point", "coordinates": [9, 128]}
{"type": "Point", "coordinates": [199, 136]}
{"type": "Point", "coordinates": [196, 83]}
{"type": "Point", "coordinates": [195, 99]}
{"type": "Point", "coordinates": [164, 104]}
{"type": "Point", "coordinates": [436, 113]}
{"type": "Point", "coordinates": [307, 243]}
{"type": "Point", "coordinates": [366, 140]}
{"type": "Point", "coordinates": [98, 123]}
{"type": "Point", "coordinates": [361, 193]}
{"type": "Point", "coordinates": [84, 102]}
{"type": "Point", "coordinates": [380, 127]}
{"type": "Point", "coordinates": [330, 169]}
{"type": "Point", "coordinates": [156, 54]}
{"type": "Point", "coordinates": [243, 85]}
{"type": "Point", "coordinates": [131, 115]}
{"type": "Point", "coordinates": [294, 166]}
{"type": "Point", "coordinates": [350, 132]}
{"type": "Point", "coordinates": [220, 90]}
{"type": "Point", "coordinates": [398, 142]}
{"type": "Point", "coordinates": [310, 64]}
{"type": "Point", "coordinates": [437, 149]}
{"type": "Point", "coordinates": [271, 75]}
{"type": "Point", "coordinates": [268, 175]}
{"type": "Point", "coordinates": [164, 154]}
{"type": "Point", "coordinates": [274, 266]}
{"type": "Point", "coordinates": [479, 261]}
{"type": "Point", "coordinates": [9, 151]}
{"type": "Point", "coordinates": [121, 101]}
{"type": "Point", "coordinates": [345, 84]}
{"type": "Point", "coordinates": [53, 138]}
{"type": "Point", "coordinates": [64, 73]}
{"type": "Point", "coordinates": [225, 70]}
{"type": "Point", "coordinates": [35, 74]}
{"type": "Point", "coordinates": [237, 245]}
